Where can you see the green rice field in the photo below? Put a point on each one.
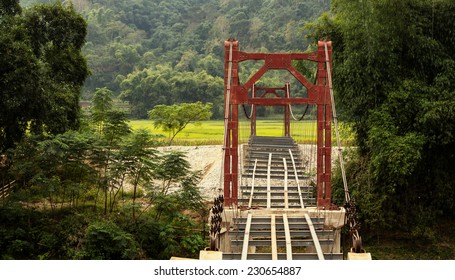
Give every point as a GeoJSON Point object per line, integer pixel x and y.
{"type": "Point", "coordinates": [212, 132]}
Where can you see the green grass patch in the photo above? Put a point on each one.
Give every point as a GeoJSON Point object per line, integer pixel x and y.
{"type": "Point", "coordinates": [212, 132]}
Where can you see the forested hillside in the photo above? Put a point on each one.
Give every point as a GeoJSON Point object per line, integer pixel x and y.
{"type": "Point", "coordinates": [151, 52]}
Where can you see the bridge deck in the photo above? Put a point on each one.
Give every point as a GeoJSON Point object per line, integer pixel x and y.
{"type": "Point", "coordinates": [274, 179]}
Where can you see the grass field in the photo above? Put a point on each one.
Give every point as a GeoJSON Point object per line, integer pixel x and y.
{"type": "Point", "coordinates": [212, 132]}
{"type": "Point", "coordinates": [208, 133]}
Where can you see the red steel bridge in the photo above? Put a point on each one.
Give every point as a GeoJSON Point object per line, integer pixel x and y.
{"type": "Point", "coordinates": [271, 207]}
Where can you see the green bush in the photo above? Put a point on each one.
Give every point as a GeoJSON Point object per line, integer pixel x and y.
{"type": "Point", "coordinates": [104, 240]}
{"type": "Point", "coordinates": [19, 234]}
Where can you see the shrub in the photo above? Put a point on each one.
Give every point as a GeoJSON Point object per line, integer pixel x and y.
{"type": "Point", "coordinates": [107, 241]}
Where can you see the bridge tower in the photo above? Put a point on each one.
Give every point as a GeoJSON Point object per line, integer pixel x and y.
{"type": "Point", "coordinates": [236, 94]}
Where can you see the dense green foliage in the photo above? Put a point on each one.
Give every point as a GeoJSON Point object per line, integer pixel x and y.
{"type": "Point", "coordinates": [186, 35]}
{"type": "Point", "coordinates": [42, 70]}
{"type": "Point", "coordinates": [163, 86]}
{"type": "Point", "coordinates": [393, 75]}
{"type": "Point", "coordinates": [103, 192]}
{"type": "Point", "coordinates": [9, 8]}
{"type": "Point", "coordinates": [152, 52]}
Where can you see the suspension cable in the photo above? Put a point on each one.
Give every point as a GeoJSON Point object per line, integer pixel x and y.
{"type": "Point", "coordinates": [335, 121]}
{"type": "Point", "coordinates": [248, 116]}
{"type": "Point", "coordinates": [303, 115]}
{"type": "Point", "coordinates": [288, 94]}
{"type": "Point", "coordinates": [351, 211]}
{"type": "Point", "coordinates": [227, 109]}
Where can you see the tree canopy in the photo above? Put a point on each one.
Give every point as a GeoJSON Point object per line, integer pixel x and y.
{"type": "Point", "coordinates": [42, 69]}
{"type": "Point", "coordinates": [175, 118]}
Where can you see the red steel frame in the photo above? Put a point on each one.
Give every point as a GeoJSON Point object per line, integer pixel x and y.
{"type": "Point", "coordinates": [318, 94]}
{"type": "Point", "coordinates": [272, 91]}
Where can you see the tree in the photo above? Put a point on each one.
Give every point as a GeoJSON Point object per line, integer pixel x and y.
{"type": "Point", "coordinates": [19, 85]}
{"type": "Point", "coordinates": [56, 167]}
{"type": "Point", "coordinates": [101, 105]}
{"type": "Point", "coordinates": [137, 160]}
{"type": "Point", "coordinates": [146, 88]}
{"type": "Point", "coordinates": [42, 70]}
{"type": "Point", "coordinates": [173, 168]}
{"type": "Point", "coordinates": [111, 126]}
{"type": "Point", "coordinates": [9, 7]}
{"type": "Point", "coordinates": [162, 85]}
{"type": "Point", "coordinates": [175, 118]}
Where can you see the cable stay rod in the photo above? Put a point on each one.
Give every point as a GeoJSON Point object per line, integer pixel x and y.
{"type": "Point", "coordinates": [228, 96]}
{"type": "Point", "coordinates": [288, 95]}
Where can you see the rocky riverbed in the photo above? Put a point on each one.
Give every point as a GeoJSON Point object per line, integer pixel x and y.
{"type": "Point", "coordinates": [208, 159]}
